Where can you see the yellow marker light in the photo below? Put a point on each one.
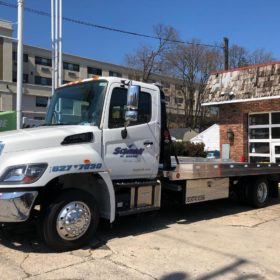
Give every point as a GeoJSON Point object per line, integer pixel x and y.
{"type": "Point", "coordinates": [87, 161]}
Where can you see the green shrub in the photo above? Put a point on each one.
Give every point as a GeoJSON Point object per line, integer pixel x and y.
{"type": "Point", "coordinates": [189, 149]}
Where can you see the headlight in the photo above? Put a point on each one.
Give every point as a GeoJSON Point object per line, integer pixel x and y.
{"type": "Point", "coordinates": [1, 147]}
{"type": "Point", "coordinates": [23, 174]}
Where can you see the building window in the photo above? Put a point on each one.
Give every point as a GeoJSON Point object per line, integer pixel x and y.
{"type": "Point", "coordinates": [259, 133]}
{"type": "Point", "coordinates": [263, 136]}
{"type": "Point", "coordinates": [179, 100]}
{"type": "Point", "coordinates": [275, 132]}
{"type": "Point", "coordinates": [259, 148]}
{"type": "Point", "coordinates": [24, 77]}
{"type": "Point", "coordinates": [71, 66]}
{"type": "Point", "coordinates": [259, 119]}
{"type": "Point", "coordinates": [41, 101]}
{"type": "Point", "coordinates": [165, 84]}
{"type": "Point", "coordinates": [275, 118]}
{"type": "Point", "coordinates": [43, 61]}
{"type": "Point", "coordinates": [258, 159]}
{"type": "Point", "coordinates": [115, 74]}
{"type": "Point", "coordinates": [43, 81]}
{"type": "Point", "coordinates": [167, 98]}
{"type": "Point", "coordinates": [14, 76]}
{"type": "Point", "coordinates": [133, 77]}
{"type": "Point", "coordinates": [94, 71]}
{"type": "Point", "coordinates": [25, 57]}
{"type": "Point", "coordinates": [178, 87]}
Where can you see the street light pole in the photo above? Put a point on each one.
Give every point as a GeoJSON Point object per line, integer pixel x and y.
{"type": "Point", "coordinates": [19, 64]}
{"type": "Point", "coordinates": [56, 32]}
{"type": "Point", "coordinates": [56, 46]}
{"type": "Point", "coordinates": [60, 45]}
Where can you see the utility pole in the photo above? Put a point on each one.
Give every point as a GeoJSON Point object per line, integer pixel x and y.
{"type": "Point", "coordinates": [56, 32]}
{"type": "Point", "coordinates": [226, 66]}
{"type": "Point", "coordinates": [60, 45]}
{"type": "Point", "coordinates": [19, 64]}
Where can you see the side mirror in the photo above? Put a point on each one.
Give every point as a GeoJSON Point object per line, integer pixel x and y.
{"type": "Point", "coordinates": [131, 113]}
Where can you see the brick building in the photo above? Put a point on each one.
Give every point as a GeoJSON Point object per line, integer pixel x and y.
{"type": "Point", "coordinates": [248, 99]}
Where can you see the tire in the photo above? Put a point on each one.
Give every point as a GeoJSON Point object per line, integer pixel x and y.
{"type": "Point", "coordinates": [258, 193]}
{"type": "Point", "coordinates": [76, 208]}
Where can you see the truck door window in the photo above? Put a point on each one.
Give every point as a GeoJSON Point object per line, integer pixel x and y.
{"type": "Point", "coordinates": [118, 108]}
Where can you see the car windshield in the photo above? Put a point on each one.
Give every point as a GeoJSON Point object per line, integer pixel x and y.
{"type": "Point", "coordinates": [77, 104]}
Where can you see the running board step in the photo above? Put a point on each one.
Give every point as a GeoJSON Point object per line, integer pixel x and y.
{"type": "Point", "coordinates": [138, 210]}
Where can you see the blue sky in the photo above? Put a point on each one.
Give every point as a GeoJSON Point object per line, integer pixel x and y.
{"type": "Point", "coordinates": [249, 23]}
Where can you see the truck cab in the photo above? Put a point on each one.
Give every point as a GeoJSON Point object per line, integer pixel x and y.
{"type": "Point", "coordinates": [101, 106]}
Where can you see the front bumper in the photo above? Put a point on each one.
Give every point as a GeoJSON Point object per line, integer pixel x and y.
{"type": "Point", "coordinates": [16, 206]}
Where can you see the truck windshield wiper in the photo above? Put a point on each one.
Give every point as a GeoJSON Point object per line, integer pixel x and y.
{"type": "Point", "coordinates": [56, 124]}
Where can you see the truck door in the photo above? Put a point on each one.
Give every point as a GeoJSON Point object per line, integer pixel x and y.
{"type": "Point", "coordinates": [137, 155]}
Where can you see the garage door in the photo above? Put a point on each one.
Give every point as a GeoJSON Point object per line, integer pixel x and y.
{"type": "Point", "coordinates": [264, 137]}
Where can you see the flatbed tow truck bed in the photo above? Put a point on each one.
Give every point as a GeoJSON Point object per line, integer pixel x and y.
{"type": "Point", "coordinates": [190, 168]}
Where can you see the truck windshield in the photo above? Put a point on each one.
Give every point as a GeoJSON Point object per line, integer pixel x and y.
{"type": "Point", "coordinates": [77, 104]}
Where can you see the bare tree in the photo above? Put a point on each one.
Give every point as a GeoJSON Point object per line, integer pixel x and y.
{"type": "Point", "coordinates": [238, 56]}
{"type": "Point", "coordinates": [260, 56]}
{"type": "Point", "coordinates": [149, 59]}
{"type": "Point", "coordinates": [193, 64]}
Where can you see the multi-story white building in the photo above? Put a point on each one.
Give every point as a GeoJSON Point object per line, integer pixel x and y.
{"type": "Point", "coordinates": [37, 79]}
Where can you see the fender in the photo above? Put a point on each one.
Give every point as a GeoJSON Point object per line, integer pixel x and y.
{"type": "Point", "coordinates": [107, 179]}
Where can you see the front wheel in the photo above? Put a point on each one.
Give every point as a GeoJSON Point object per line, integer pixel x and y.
{"type": "Point", "coordinates": [70, 220]}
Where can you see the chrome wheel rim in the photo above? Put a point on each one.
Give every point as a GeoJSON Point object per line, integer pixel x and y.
{"type": "Point", "coordinates": [73, 220]}
{"type": "Point", "coordinates": [262, 192]}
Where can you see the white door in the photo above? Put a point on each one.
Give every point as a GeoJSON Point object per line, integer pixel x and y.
{"type": "Point", "coordinates": [275, 153]}
{"type": "Point", "coordinates": [137, 155]}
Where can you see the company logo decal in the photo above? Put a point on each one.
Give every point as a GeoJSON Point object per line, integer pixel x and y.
{"type": "Point", "coordinates": [131, 151]}
{"type": "Point", "coordinates": [66, 168]}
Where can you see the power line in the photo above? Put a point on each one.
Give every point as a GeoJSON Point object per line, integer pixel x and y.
{"type": "Point", "coordinates": [85, 23]}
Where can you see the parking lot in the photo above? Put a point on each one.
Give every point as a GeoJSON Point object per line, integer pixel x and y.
{"type": "Point", "coordinates": [215, 240]}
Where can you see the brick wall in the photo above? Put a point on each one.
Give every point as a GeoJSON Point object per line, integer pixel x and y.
{"type": "Point", "coordinates": [235, 116]}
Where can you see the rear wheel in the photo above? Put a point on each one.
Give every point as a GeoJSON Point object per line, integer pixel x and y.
{"type": "Point", "coordinates": [70, 220]}
{"type": "Point", "coordinates": [258, 193]}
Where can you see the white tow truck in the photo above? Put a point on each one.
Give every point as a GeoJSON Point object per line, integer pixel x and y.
{"type": "Point", "coordinates": [105, 151]}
